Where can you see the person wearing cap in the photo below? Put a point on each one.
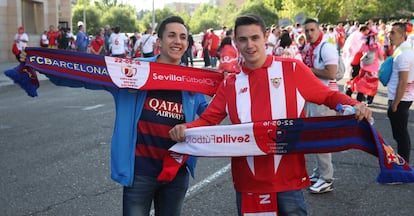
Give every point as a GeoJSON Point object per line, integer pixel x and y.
{"type": "Point", "coordinates": [20, 41]}
{"type": "Point", "coordinates": [82, 39]}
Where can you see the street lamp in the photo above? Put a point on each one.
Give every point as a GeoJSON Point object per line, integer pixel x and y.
{"type": "Point", "coordinates": [319, 8]}
{"type": "Point", "coordinates": [153, 16]}
{"type": "Point", "coordinates": [84, 13]}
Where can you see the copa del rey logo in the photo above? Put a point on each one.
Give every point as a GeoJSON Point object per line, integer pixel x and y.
{"type": "Point", "coordinates": [129, 71]}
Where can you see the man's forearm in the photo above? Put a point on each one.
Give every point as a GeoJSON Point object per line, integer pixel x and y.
{"type": "Point", "coordinates": [400, 93]}
{"type": "Point", "coordinates": [324, 74]}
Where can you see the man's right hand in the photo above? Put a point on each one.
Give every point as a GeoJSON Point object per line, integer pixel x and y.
{"type": "Point", "coordinates": [177, 133]}
{"type": "Point", "coordinates": [22, 55]}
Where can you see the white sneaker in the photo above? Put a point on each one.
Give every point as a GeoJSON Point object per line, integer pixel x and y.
{"type": "Point", "coordinates": [313, 178]}
{"type": "Point", "coordinates": [321, 186]}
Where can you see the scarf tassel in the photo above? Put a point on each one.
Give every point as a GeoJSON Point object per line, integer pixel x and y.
{"type": "Point", "coordinates": [394, 169]}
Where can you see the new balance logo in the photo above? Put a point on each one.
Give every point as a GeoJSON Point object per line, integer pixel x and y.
{"type": "Point", "coordinates": [243, 90]}
{"type": "Point", "coordinates": [265, 199]}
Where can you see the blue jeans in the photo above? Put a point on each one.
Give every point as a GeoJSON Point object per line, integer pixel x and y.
{"type": "Point", "coordinates": [213, 61]}
{"type": "Point", "coordinates": [190, 55]}
{"type": "Point", "coordinates": [168, 197]}
{"type": "Point", "coordinates": [291, 203]}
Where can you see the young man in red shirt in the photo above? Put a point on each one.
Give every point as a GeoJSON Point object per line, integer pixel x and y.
{"type": "Point", "coordinates": [267, 88]}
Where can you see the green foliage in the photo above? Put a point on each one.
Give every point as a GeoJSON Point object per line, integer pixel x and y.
{"type": "Point", "coordinates": [112, 12]}
{"type": "Point", "coordinates": [160, 15]}
{"type": "Point", "coordinates": [205, 17]}
{"type": "Point", "coordinates": [333, 11]}
{"type": "Point", "coordinates": [92, 19]}
{"type": "Point", "coordinates": [186, 17]}
{"type": "Point", "coordinates": [109, 3]}
{"type": "Point", "coordinates": [121, 16]}
{"type": "Point", "coordinates": [259, 9]}
{"type": "Point", "coordinates": [273, 4]}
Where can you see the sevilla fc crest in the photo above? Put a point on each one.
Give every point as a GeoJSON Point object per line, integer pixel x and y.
{"type": "Point", "coordinates": [129, 71]}
{"type": "Point", "coordinates": [276, 81]}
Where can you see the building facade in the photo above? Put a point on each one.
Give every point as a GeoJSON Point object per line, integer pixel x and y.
{"type": "Point", "coordinates": [35, 16]}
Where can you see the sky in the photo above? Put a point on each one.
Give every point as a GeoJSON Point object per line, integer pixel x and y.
{"type": "Point", "coordinates": [147, 4]}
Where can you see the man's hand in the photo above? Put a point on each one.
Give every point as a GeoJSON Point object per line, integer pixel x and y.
{"type": "Point", "coordinates": [22, 55]}
{"type": "Point", "coordinates": [362, 111]}
{"type": "Point", "coordinates": [394, 106]}
{"type": "Point", "coordinates": [177, 133]}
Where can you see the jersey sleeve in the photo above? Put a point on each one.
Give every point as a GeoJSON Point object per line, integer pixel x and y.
{"type": "Point", "coordinates": [313, 90]}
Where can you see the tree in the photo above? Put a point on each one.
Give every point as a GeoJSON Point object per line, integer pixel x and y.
{"type": "Point", "coordinates": [186, 17]}
{"type": "Point", "coordinates": [274, 4]}
{"type": "Point", "coordinates": [333, 11]}
{"type": "Point", "coordinates": [205, 17]}
{"type": "Point", "coordinates": [160, 14]}
{"type": "Point", "coordinates": [92, 18]}
{"type": "Point", "coordinates": [122, 16]}
{"type": "Point", "coordinates": [228, 12]}
{"type": "Point", "coordinates": [258, 8]}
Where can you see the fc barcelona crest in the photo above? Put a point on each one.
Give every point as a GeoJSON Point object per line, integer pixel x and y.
{"type": "Point", "coordinates": [129, 71]}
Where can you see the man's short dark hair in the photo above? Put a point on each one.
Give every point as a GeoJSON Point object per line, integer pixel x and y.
{"type": "Point", "coordinates": [310, 20]}
{"type": "Point", "coordinates": [168, 20]}
{"type": "Point", "coordinates": [117, 29]}
{"type": "Point", "coordinates": [285, 39]}
{"type": "Point", "coordinates": [229, 32]}
{"type": "Point", "coordinates": [401, 25]}
{"type": "Point", "coordinates": [249, 19]}
{"type": "Point", "coordinates": [363, 28]}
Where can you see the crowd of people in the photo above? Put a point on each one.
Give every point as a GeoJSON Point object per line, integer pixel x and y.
{"type": "Point", "coordinates": [246, 54]}
{"type": "Point", "coordinates": [362, 48]}
{"type": "Point", "coordinates": [106, 41]}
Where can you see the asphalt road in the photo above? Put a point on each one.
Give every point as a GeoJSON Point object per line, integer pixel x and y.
{"type": "Point", "coordinates": [54, 160]}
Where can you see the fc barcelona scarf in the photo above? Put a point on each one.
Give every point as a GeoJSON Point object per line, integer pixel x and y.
{"type": "Point", "coordinates": [302, 135]}
{"type": "Point", "coordinates": [110, 72]}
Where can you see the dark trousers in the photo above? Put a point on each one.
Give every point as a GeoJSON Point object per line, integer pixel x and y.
{"type": "Point", "coordinates": [355, 72]}
{"type": "Point", "coordinates": [146, 55]}
{"type": "Point", "coordinates": [190, 56]}
{"type": "Point", "coordinates": [361, 98]}
{"type": "Point", "coordinates": [399, 126]}
{"type": "Point", "coordinates": [184, 59]}
{"type": "Point", "coordinates": [207, 61]}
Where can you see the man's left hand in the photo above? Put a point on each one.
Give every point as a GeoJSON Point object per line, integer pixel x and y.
{"type": "Point", "coordinates": [362, 111]}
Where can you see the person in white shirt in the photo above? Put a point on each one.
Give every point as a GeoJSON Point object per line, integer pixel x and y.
{"type": "Point", "coordinates": [148, 44]}
{"type": "Point", "coordinates": [136, 48]}
{"type": "Point", "coordinates": [322, 57]}
{"type": "Point", "coordinates": [118, 43]}
{"type": "Point", "coordinates": [44, 42]}
{"type": "Point", "coordinates": [21, 38]}
{"type": "Point", "coordinates": [273, 40]}
{"type": "Point", "coordinates": [20, 42]}
{"type": "Point", "coordinates": [401, 89]}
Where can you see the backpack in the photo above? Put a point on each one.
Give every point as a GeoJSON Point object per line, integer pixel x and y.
{"type": "Point", "coordinates": [385, 71]}
{"type": "Point", "coordinates": [341, 66]}
{"type": "Point", "coordinates": [368, 58]}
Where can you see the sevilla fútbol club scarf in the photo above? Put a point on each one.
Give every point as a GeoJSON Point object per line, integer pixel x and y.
{"type": "Point", "coordinates": [290, 136]}
{"type": "Point", "coordinates": [110, 72]}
